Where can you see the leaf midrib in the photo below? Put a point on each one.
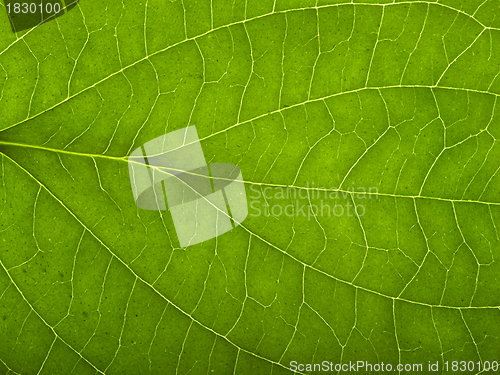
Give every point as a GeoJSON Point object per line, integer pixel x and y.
{"type": "Point", "coordinates": [185, 312]}
{"type": "Point", "coordinates": [130, 269]}
{"type": "Point", "coordinates": [264, 184]}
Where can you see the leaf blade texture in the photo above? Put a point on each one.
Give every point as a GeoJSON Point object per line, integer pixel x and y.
{"type": "Point", "coordinates": [397, 97]}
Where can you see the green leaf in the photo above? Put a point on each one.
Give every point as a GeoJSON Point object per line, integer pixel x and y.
{"type": "Point", "coordinates": [391, 107]}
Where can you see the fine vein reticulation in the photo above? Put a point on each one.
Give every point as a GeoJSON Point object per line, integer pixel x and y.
{"type": "Point", "coordinates": [391, 107]}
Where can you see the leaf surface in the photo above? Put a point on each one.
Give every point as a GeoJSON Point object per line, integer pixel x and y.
{"type": "Point", "coordinates": [320, 98]}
